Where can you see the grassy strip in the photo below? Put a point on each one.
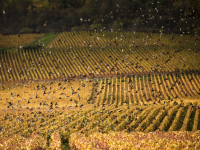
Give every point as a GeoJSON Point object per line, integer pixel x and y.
{"type": "Point", "coordinates": [7, 49]}
{"type": "Point", "coordinates": [65, 144]}
{"type": "Point", "coordinates": [46, 39]}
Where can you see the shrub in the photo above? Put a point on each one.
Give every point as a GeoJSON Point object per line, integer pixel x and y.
{"type": "Point", "coordinates": [116, 27]}
{"type": "Point", "coordinates": [75, 28]}
{"type": "Point", "coordinates": [97, 26]}
{"type": "Point", "coordinates": [26, 30]}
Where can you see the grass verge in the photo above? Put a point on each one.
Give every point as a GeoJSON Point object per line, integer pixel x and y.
{"type": "Point", "coordinates": [46, 39]}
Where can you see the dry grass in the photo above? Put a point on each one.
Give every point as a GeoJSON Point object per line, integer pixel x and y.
{"type": "Point", "coordinates": [9, 41]}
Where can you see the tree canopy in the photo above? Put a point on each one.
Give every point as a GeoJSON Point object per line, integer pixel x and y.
{"type": "Point", "coordinates": [143, 15]}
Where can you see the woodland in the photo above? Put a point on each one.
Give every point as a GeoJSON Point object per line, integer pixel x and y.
{"type": "Point", "coordinates": [170, 16]}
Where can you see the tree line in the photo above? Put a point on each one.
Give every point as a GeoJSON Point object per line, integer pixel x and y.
{"type": "Point", "coordinates": [170, 16]}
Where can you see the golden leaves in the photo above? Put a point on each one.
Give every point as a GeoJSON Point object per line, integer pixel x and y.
{"type": "Point", "coordinates": [135, 140]}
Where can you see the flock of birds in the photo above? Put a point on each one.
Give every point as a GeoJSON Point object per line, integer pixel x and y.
{"type": "Point", "coordinates": [48, 89]}
{"type": "Point", "coordinates": [16, 101]}
{"type": "Point", "coordinates": [21, 102]}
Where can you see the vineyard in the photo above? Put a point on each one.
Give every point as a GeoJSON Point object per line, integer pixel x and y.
{"type": "Point", "coordinates": [102, 91]}
{"type": "Point", "coordinates": [144, 90]}
{"type": "Point", "coordinates": [138, 140]}
{"type": "Point", "coordinates": [101, 57]}
{"type": "Point", "coordinates": [170, 117]}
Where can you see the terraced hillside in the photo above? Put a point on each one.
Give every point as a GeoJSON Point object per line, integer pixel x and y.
{"type": "Point", "coordinates": [64, 60]}
{"type": "Point", "coordinates": [146, 89]}
{"type": "Point", "coordinates": [168, 117]}
{"type": "Point", "coordinates": [135, 103]}
{"type": "Point", "coordinates": [132, 39]}
{"type": "Point", "coordinates": [130, 84]}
